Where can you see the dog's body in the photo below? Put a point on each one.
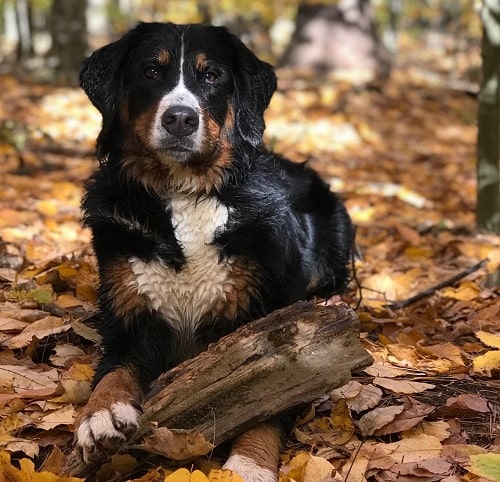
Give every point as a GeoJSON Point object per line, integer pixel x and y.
{"type": "Point", "coordinates": [196, 227]}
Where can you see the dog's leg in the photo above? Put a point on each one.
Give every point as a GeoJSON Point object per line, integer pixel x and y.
{"type": "Point", "coordinates": [255, 454]}
{"type": "Point", "coordinates": [110, 416]}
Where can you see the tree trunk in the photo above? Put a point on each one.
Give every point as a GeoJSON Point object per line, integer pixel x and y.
{"type": "Point", "coordinates": [488, 144]}
{"type": "Point", "coordinates": [337, 37]}
{"type": "Point", "coordinates": [69, 38]}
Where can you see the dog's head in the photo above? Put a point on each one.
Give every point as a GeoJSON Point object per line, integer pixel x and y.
{"type": "Point", "coordinates": [177, 99]}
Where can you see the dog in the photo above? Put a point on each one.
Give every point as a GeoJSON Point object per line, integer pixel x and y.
{"type": "Point", "coordinates": [196, 226]}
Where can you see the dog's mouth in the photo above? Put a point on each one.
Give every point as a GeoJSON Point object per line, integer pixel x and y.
{"type": "Point", "coordinates": [175, 151]}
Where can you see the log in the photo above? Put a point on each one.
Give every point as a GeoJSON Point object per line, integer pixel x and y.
{"type": "Point", "coordinates": [282, 361]}
{"type": "Point", "coordinates": [286, 359]}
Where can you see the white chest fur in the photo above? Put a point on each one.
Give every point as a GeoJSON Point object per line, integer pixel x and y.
{"type": "Point", "coordinates": [184, 297]}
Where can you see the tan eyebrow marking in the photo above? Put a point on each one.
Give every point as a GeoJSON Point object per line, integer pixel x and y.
{"type": "Point", "coordinates": [163, 57]}
{"type": "Point", "coordinates": [201, 61]}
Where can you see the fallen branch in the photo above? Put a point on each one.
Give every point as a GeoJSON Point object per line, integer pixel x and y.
{"type": "Point", "coordinates": [430, 291]}
{"type": "Point", "coordinates": [284, 360]}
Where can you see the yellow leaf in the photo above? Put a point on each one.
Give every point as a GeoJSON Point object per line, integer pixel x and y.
{"type": "Point", "coordinates": [47, 207]}
{"type": "Point", "coordinates": [184, 475]}
{"type": "Point", "coordinates": [418, 252]}
{"type": "Point", "coordinates": [67, 300]}
{"type": "Point", "coordinates": [66, 271]}
{"type": "Point", "coordinates": [27, 472]}
{"type": "Point", "coordinates": [489, 339]}
{"type": "Point", "coordinates": [317, 468]}
{"type": "Point", "coordinates": [80, 371]}
{"type": "Point", "coordinates": [297, 467]}
{"type": "Point", "coordinates": [487, 363]}
{"type": "Point", "coordinates": [467, 291]}
{"type": "Point", "coordinates": [486, 465]}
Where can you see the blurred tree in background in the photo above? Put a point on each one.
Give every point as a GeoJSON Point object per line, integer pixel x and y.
{"type": "Point", "coordinates": [46, 38]}
{"type": "Point", "coordinates": [488, 172]}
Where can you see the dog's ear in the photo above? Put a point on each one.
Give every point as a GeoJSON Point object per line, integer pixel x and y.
{"type": "Point", "coordinates": [255, 83]}
{"type": "Point", "coordinates": [99, 79]}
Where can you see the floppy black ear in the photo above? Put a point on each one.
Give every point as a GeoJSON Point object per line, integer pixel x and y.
{"type": "Point", "coordinates": [98, 77]}
{"type": "Point", "coordinates": [255, 83]}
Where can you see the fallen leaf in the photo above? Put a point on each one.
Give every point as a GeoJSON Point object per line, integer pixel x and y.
{"type": "Point", "coordinates": [305, 467]}
{"type": "Point", "coordinates": [487, 364]}
{"type": "Point", "coordinates": [467, 291]}
{"type": "Point", "coordinates": [385, 369]}
{"type": "Point", "coordinates": [22, 378]}
{"type": "Point", "coordinates": [376, 419]}
{"type": "Point", "coordinates": [176, 444]}
{"type": "Point", "coordinates": [27, 447]}
{"type": "Point", "coordinates": [414, 412]}
{"type": "Point", "coordinates": [63, 416]}
{"type": "Point", "coordinates": [27, 473]}
{"type": "Point", "coordinates": [368, 398]}
{"type": "Point", "coordinates": [119, 464]}
{"type": "Point", "coordinates": [439, 429]}
{"type": "Point", "coordinates": [85, 331]}
{"type": "Point", "coordinates": [40, 329]}
{"type": "Point", "coordinates": [466, 404]}
{"type": "Point", "coordinates": [415, 449]}
{"type": "Point", "coordinates": [489, 339]}
{"type": "Point", "coordinates": [64, 352]}
{"type": "Point", "coordinates": [219, 475]}
{"type": "Point", "coordinates": [486, 465]}
{"type": "Point", "coordinates": [407, 387]}
{"type": "Point", "coordinates": [349, 390]}
{"type": "Point", "coordinates": [184, 475]}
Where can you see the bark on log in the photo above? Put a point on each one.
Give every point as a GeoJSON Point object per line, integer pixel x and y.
{"type": "Point", "coordinates": [286, 359]}
{"type": "Point", "coordinates": [290, 357]}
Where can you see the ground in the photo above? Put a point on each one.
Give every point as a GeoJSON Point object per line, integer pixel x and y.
{"type": "Point", "coordinates": [402, 154]}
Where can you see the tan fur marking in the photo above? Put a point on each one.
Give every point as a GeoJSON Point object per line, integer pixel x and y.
{"type": "Point", "coordinates": [243, 286]}
{"type": "Point", "coordinates": [143, 124]}
{"type": "Point", "coordinates": [163, 57]}
{"type": "Point", "coordinates": [261, 444]}
{"type": "Point", "coordinates": [120, 283]}
{"type": "Point", "coordinates": [201, 61]}
{"type": "Point", "coordinates": [118, 386]}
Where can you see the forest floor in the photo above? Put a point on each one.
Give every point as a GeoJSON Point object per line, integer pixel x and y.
{"type": "Point", "coordinates": [402, 154]}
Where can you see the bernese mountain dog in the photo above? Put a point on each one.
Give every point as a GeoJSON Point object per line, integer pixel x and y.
{"type": "Point", "coordinates": [197, 228]}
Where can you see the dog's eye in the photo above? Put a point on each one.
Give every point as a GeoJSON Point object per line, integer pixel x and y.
{"type": "Point", "coordinates": [151, 72]}
{"type": "Point", "coordinates": [209, 77]}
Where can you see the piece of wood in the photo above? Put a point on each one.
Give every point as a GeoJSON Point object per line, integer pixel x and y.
{"type": "Point", "coordinates": [284, 360]}
{"type": "Point", "coordinates": [290, 357]}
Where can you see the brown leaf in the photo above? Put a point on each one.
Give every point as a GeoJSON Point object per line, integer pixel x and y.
{"type": "Point", "coordinates": [378, 418]}
{"type": "Point", "coordinates": [465, 405]}
{"type": "Point", "coordinates": [414, 412]}
{"type": "Point", "coordinates": [176, 444]}
{"type": "Point", "coordinates": [50, 325]}
{"type": "Point", "coordinates": [407, 387]}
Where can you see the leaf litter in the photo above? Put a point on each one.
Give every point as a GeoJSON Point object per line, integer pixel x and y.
{"type": "Point", "coordinates": [403, 156]}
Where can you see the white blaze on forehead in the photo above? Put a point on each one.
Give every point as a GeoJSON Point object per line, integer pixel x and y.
{"type": "Point", "coordinates": [181, 96]}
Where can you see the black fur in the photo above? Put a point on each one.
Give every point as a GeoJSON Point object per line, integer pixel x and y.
{"type": "Point", "coordinates": [284, 222]}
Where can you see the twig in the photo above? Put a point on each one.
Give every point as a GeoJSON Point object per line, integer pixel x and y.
{"type": "Point", "coordinates": [430, 291]}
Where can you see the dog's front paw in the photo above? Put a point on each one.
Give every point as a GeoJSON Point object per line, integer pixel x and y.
{"type": "Point", "coordinates": [101, 433]}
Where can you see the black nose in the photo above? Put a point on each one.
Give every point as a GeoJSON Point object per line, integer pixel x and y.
{"type": "Point", "coordinates": [180, 121]}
